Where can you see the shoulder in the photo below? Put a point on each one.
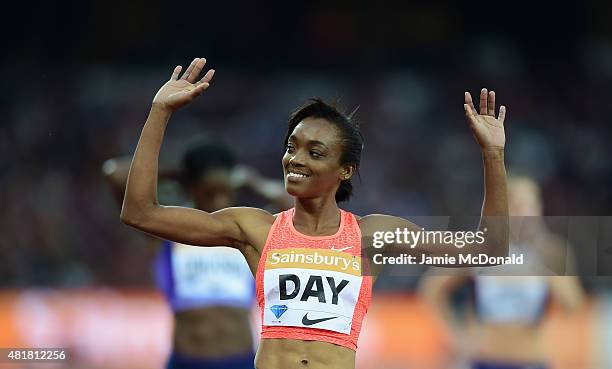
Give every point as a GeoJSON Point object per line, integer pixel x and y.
{"type": "Point", "coordinates": [254, 225]}
{"type": "Point", "coordinates": [375, 219]}
{"type": "Point", "coordinates": [369, 224]}
{"type": "Point", "coordinates": [247, 216]}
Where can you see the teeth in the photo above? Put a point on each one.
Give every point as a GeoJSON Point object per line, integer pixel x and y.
{"type": "Point", "coordinates": [296, 175]}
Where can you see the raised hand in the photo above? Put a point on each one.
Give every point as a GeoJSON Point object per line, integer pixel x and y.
{"type": "Point", "coordinates": [488, 130]}
{"type": "Point", "coordinates": [178, 92]}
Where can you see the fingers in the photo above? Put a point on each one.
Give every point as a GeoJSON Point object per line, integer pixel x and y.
{"type": "Point", "coordinates": [469, 113]}
{"type": "Point", "coordinates": [483, 101]}
{"type": "Point", "coordinates": [191, 74]}
{"type": "Point", "coordinates": [194, 70]}
{"type": "Point", "coordinates": [195, 73]}
{"type": "Point", "coordinates": [487, 103]}
{"type": "Point", "coordinates": [207, 77]}
{"type": "Point", "coordinates": [502, 114]}
{"type": "Point", "coordinates": [469, 102]}
{"type": "Point", "coordinates": [189, 69]}
{"type": "Point", "coordinates": [492, 103]}
{"type": "Point", "coordinates": [199, 89]}
{"type": "Point", "coordinates": [176, 72]}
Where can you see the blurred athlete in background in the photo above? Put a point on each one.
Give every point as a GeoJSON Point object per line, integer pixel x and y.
{"type": "Point", "coordinates": [501, 327]}
{"type": "Point", "coordinates": [210, 290]}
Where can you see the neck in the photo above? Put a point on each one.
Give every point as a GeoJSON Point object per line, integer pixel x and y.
{"type": "Point", "coordinates": [316, 214]}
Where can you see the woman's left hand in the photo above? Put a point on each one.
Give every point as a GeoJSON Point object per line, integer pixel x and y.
{"type": "Point", "coordinates": [488, 130]}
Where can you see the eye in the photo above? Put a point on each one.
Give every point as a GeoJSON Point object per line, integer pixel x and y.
{"type": "Point", "coordinates": [290, 148]}
{"type": "Point", "coordinates": [316, 154]}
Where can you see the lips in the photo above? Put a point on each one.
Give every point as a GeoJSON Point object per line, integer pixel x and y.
{"type": "Point", "coordinates": [296, 175]}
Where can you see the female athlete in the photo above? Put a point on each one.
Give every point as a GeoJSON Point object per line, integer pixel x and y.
{"type": "Point", "coordinates": [502, 326]}
{"type": "Point", "coordinates": [311, 288]}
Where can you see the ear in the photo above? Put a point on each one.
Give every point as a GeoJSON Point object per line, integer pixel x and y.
{"type": "Point", "coordinates": [346, 172]}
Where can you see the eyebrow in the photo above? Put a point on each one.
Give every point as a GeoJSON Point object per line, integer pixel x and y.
{"type": "Point", "coordinates": [311, 142]}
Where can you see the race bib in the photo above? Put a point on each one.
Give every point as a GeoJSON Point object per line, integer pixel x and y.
{"type": "Point", "coordinates": [311, 288]}
{"type": "Point", "coordinates": [213, 273]}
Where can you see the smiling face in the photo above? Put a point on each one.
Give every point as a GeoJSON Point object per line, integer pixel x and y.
{"type": "Point", "coordinates": [311, 163]}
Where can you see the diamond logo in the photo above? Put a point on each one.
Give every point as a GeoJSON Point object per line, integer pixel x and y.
{"type": "Point", "coordinates": [278, 310]}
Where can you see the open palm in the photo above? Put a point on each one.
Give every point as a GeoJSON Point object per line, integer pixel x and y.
{"type": "Point", "coordinates": [488, 130]}
{"type": "Point", "coordinates": [178, 92]}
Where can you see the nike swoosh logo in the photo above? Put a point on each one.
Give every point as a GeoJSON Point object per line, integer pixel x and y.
{"type": "Point", "coordinates": [342, 249]}
{"type": "Point", "coordinates": [307, 321]}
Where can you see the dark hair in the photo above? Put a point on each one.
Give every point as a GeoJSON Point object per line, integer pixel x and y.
{"type": "Point", "coordinates": [348, 131]}
{"type": "Point", "coordinates": [204, 155]}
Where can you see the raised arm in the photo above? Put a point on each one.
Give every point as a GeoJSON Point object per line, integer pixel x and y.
{"type": "Point", "coordinates": [140, 205]}
{"type": "Point", "coordinates": [489, 133]}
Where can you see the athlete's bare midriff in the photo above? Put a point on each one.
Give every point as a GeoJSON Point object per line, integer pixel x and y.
{"type": "Point", "coordinates": [297, 354]}
{"type": "Point", "coordinates": [213, 332]}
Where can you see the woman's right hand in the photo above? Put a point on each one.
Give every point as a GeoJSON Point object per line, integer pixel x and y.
{"type": "Point", "coordinates": [178, 92]}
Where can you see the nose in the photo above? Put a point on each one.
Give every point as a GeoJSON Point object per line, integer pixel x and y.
{"type": "Point", "coordinates": [297, 159]}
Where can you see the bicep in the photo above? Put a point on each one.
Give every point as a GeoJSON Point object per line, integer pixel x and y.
{"type": "Point", "coordinates": [378, 234]}
{"type": "Point", "coordinates": [387, 231]}
{"type": "Point", "coordinates": [192, 226]}
{"type": "Point", "coordinates": [395, 235]}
